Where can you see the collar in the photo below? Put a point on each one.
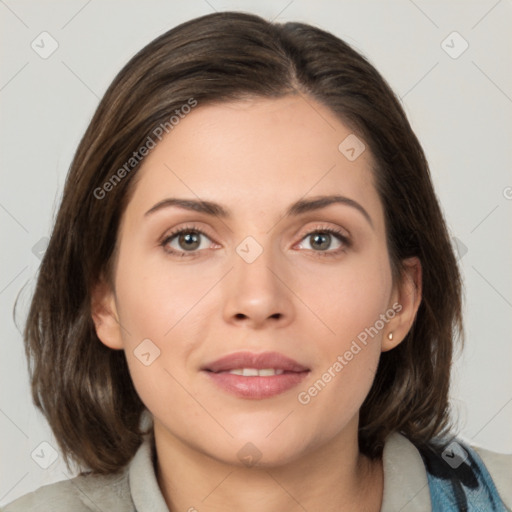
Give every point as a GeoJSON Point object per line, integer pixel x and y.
{"type": "Point", "coordinates": [146, 494]}
{"type": "Point", "coordinates": [405, 477]}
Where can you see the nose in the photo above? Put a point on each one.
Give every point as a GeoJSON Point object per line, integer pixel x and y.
{"type": "Point", "coordinates": [258, 294]}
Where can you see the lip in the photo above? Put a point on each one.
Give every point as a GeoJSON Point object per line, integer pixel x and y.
{"type": "Point", "coordinates": [259, 361]}
{"type": "Point", "coordinates": [255, 388]}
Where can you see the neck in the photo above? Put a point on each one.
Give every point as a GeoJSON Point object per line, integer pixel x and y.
{"type": "Point", "coordinates": [333, 477]}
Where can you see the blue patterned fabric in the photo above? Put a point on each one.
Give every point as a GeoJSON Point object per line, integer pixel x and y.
{"type": "Point", "coordinates": [458, 479]}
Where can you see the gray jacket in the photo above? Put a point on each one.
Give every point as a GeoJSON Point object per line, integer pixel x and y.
{"type": "Point", "coordinates": [135, 489]}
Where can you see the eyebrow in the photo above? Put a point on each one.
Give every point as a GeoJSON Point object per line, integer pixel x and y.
{"type": "Point", "coordinates": [299, 207]}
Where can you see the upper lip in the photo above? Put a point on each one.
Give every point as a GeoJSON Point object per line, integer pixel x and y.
{"type": "Point", "coordinates": [259, 361]}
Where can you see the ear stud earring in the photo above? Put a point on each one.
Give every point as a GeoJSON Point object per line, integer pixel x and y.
{"type": "Point", "coordinates": [390, 336]}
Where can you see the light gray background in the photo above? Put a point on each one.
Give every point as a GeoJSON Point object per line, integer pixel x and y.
{"type": "Point", "coordinates": [460, 108]}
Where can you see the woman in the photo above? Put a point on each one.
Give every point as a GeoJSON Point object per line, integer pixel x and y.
{"type": "Point", "coordinates": [250, 298]}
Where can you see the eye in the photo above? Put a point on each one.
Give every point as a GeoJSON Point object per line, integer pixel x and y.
{"type": "Point", "coordinates": [321, 239]}
{"type": "Point", "coordinates": [185, 240]}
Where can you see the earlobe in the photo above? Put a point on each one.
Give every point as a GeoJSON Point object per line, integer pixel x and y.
{"type": "Point", "coordinates": [406, 301]}
{"type": "Point", "coordinates": [104, 316]}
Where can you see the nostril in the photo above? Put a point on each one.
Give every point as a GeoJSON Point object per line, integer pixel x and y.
{"type": "Point", "coordinates": [241, 316]}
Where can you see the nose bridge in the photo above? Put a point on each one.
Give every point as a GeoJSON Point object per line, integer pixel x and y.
{"type": "Point", "coordinates": [255, 289]}
{"type": "Point", "coordinates": [256, 263]}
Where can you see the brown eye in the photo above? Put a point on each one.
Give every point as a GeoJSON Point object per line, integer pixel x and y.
{"type": "Point", "coordinates": [321, 240]}
{"type": "Point", "coordinates": [189, 240]}
{"type": "Point", "coordinates": [185, 240]}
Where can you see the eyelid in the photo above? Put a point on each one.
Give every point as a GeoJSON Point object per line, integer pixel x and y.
{"type": "Point", "coordinates": [186, 227]}
{"type": "Point", "coordinates": [325, 227]}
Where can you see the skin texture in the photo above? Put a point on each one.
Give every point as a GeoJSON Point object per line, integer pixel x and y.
{"type": "Point", "coordinates": [256, 157]}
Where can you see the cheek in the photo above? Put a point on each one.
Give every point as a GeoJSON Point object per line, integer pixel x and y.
{"type": "Point", "coordinates": [358, 294]}
{"type": "Point", "coordinates": [157, 299]}
{"type": "Point", "coordinates": [348, 354]}
{"type": "Point", "coordinates": [160, 310]}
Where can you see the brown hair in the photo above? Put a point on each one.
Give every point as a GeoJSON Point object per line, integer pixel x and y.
{"type": "Point", "coordinates": [83, 388]}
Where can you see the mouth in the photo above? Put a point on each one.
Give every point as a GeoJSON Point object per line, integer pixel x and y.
{"type": "Point", "coordinates": [255, 376]}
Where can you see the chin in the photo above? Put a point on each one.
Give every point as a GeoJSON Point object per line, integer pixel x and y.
{"type": "Point", "coordinates": [261, 455]}
{"type": "Point", "coordinates": [255, 447]}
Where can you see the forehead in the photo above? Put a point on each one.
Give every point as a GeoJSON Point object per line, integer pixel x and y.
{"type": "Point", "coordinates": [256, 155]}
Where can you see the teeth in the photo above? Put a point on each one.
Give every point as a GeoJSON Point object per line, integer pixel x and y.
{"type": "Point", "coordinates": [268, 372]}
{"type": "Point", "coordinates": [253, 372]}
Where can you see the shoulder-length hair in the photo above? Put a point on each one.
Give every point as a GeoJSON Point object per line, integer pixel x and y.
{"type": "Point", "coordinates": [83, 388]}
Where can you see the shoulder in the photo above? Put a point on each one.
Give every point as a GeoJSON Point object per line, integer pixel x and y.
{"type": "Point", "coordinates": [442, 474]}
{"type": "Point", "coordinates": [499, 466]}
{"type": "Point", "coordinates": [84, 493]}
{"type": "Point", "coordinates": [59, 496]}
{"type": "Point", "coordinates": [460, 473]}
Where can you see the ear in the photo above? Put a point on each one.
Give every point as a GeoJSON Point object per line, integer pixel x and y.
{"type": "Point", "coordinates": [405, 301]}
{"type": "Point", "coordinates": [104, 315]}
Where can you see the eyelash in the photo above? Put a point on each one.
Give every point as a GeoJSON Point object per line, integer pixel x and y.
{"type": "Point", "coordinates": [187, 229]}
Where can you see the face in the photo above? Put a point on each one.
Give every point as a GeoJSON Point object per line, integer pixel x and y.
{"type": "Point", "coordinates": [301, 297]}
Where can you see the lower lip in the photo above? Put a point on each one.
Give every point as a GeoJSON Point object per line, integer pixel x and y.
{"type": "Point", "coordinates": [256, 388]}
